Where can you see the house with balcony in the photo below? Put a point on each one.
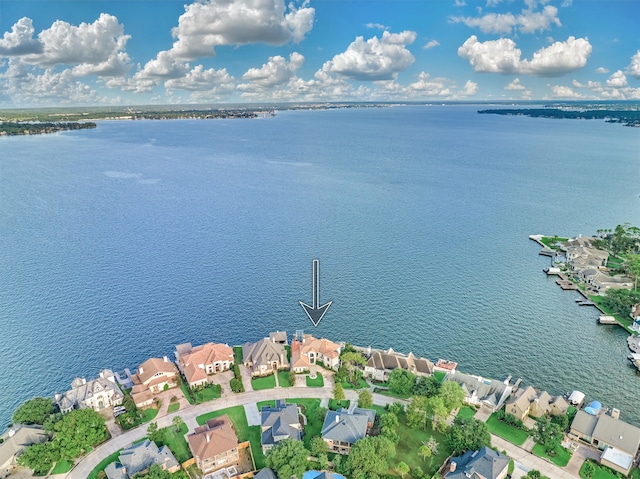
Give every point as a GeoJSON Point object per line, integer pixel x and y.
{"type": "Point", "coordinates": [198, 364]}
{"type": "Point", "coordinates": [306, 351]}
{"type": "Point", "coordinates": [214, 446]}
{"type": "Point", "coordinates": [95, 394]}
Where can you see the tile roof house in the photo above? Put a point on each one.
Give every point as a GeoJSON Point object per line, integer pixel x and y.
{"type": "Point", "coordinates": [139, 458]}
{"type": "Point", "coordinates": [197, 364]}
{"type": "Point", "coordinates": [307, 350]}
{"type": "Point", "coordinates": [215, 445]}
{"type": "Point", "coordinates": [529, 402]}
{"type": "Point", "coordinates": [480, 391]}
{"type": "Point", "coordinates": [381, 363]}
{"type": "Point", "coordinates": [483, 464]}
{"type": "Point", "coordinates": [15, 440]}
{"type": "Point", "coordinates": [342, 429]}
{"type": "Point", "coordinates": [95, 394]}
{"type": "Point", "coordinates": [279, 423]}
{"type": "Point", "coordinates": [153, 376]}
{"type": "Point", "coordinates": [264, 357]}
{"type": "Point", "coordinates": [619, 440]}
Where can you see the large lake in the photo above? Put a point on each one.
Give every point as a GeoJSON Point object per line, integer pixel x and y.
{"type": "Point", "coordinates": [119, 243]}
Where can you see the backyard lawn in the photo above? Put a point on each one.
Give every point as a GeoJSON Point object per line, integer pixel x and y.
{"type": "Point", "coordinates": [237, 355]}
{"type": "Point", "coordinates": [318, 382]}
{"type": "Point", "coordinates": [603, 472]}
{"type": "Point", "coordinates": [386, 392]}
{"type": "Point", "coordinates": [103, 464]}
{"type": "Point", "coordinates": [509, 433]}
{"type": "Point", "coordinates": [266, 382]}
{"type": "Point", "coordinates": [245, 432]}
{"type": "Point", "coordinates": [62, 467]}
{"type": "Point", "coordinates": [176, 442]}
{"type": "Point", "coordinates": [283, 379]}
{"type": "Point", "coordinates": [310, 410]}
{"type": "Point", "coordinates": [439, 375]}
{"type": "Point", "coordinates": [214, 391]}
{"type": "Point", "coordinates": [466, 411]}
{"type": "Point", "coordinates": [335, 405]}
{"type": "Point", "coordinates": [561, 459]}
{"type": "Point", "coordinates": [173, 407]}
{"type": "Point", "coordinates": [362, 384]}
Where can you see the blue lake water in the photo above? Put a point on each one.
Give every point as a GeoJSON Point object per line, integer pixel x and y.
{"type": "Point", "coordinates": [120, 242]}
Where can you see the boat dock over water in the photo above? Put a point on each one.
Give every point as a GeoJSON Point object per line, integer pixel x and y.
{"type": "Point", "coordinates": [633, 342]}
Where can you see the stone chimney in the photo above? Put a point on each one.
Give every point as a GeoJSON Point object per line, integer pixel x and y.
{"type": "Point", "coordinates": [452, 467]}
{"type": "Point", "coordinates": [337, 418]}
{"type": "Point", "coordinates": [208, 437]}
{"type": "Point", "coordinates": [140, 370]}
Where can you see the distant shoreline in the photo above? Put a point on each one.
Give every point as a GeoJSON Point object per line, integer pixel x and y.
{"type": "Point", "coordinates": [626, 117]}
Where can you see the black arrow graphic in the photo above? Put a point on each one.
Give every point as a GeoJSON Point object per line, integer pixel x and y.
{"type": "Point", "coordinates": [315, 312]}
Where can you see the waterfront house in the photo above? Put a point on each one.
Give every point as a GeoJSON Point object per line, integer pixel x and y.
{"type": "Point", "coordinates": [278, 423]}
{"type": "Point", "coordinates": [138, 458]}
{"type": "Point", "coordinates": [279, 337]}
{"type": "Point", "coordinates": [529, 402]}
{"type": "Point", "coordinates": [342, 429]}
{"type": "Point", "coordinates": [264, 357]}
{"type": "Point", "coordinates": [215, 445]}
{"type": "Point", "coordinates": [15, 441]}
{"type": "Point", "coordinates": [481, 391]}
{"type": "Point", "coordinates": [618, 440]}
{"type": "Point", "coordinates": [445, 366]}
{"type": "Point", "coordinates": [95, 394]}
{"type": "Point", "coordinates": [154, 375]}
{"type": "Point", "coordinates": [602, 282]}
{"type": "Point", "coordinates": [381, 363]}
{"type": "Point", "coordinates": [199, 363]}
{"type": "Point", "coordinates": [483, 464]}
{"type": "Point", "coordinates": [306, 351]}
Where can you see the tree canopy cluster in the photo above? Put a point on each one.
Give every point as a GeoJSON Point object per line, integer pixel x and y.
{"type": "Point", "coordinates": [468, 434]}
{"type": "Point", "coordinates": [34, 411]}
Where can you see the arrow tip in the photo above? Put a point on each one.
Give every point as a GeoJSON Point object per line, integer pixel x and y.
{"type": "Point", "coordinates": [315, 314]}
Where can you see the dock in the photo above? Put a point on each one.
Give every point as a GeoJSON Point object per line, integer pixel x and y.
{"type": "Point", "coordinates": [604, 319]}
{"type": "Point", "coordinates": [635, 360]}
{"type": "Point", "coordinates": [566, 285]}
{"type": "Point", "coordinates": [633, 342]}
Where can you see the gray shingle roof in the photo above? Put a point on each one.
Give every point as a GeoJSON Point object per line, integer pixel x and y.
{"type": "Point", "coordinates": [139, 457]}
{"type": "Point", "coordinates": [344, 427]}
{"type": "Point", "coordinates": [18, 438]}
{"type": "Point", "coordinates": [485, 463]}
{"type": "Point", "coordinates": [265, 473]}
{"type": "Point", "coordinates": [279, 421]}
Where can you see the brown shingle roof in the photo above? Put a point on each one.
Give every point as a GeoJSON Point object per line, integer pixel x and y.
{"type": "Point", "coordinates": [214, 438]}
{"type": "Point", "coordinates": [208, 353]}
{"type": "Point", "coordinates": [152, 366]}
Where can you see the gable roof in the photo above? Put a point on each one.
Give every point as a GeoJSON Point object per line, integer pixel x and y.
{"type": "Point", "coordinates": [489, 391]}
{"type": "Point", "coordinates": [191, 359]}
{"type": "Point", "coordinates": [300, 350]}
{"type": "Point", "coordinates": [82, 390]}
{"type": "Point", "coordinates": [483, 464]}
{"type": "Point", "coordinates": [369, 413]}
{"type": "Point", "coordinates": [265, 473]}
{"type": "Point", "coordinates": [153, 366]}
{"type": "Point", "coordinates": [138, 457]}
{"type": "Point", "coordinates": [18, 438]}
{"type": "Point", "coordinates": [389, 360]}
{"type": "Point", "coordinates": [616, 433]}
{"type": "Point", "coordinates": [264, 352]}
{"type": "Point", "coordinates": [216, 437]}
{"type": "Point", "coordinates": [584, 423]}
{"type": "Point", "coordinates": [344, 427]}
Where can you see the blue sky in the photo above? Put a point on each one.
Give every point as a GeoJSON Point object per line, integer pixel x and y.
{"type": "Point", "coordinates": [120, 52]}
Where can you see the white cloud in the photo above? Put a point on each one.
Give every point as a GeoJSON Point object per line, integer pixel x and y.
{"type": "Point", "coordinates": [617, 80]}
{"type": "Point", "coordinates": [502, 56]}
{"type": "Point", "coordinates": [276, 72]}
{"type": "Point", "coordinates": [470, 88]}
{"type": "Point", "coordinates": [374, 59]}
{"type": "Point", "coordinates": [515, 85]}
{"type": "Point", "coordinates": [214, 82]}
{"type": "Point", "coordinates": [20, 41]}
{"type": "Point", "coordinates": [24, 85]}
{"type": "Point", "coordinates": [378, 26]}
{"type": "Point", "coordinates": [504, 23]}
{"type": "Point", "coordinates": [602, 70]}
{"type": "Point", "coordinates": [459, 3]}
{"type": "Point", "coordinates": [560, 91]}
{"type": "Point", "coordinates": [155, 71]}
{"type": "Point", "coordinates": [431, 44]}
{"type": "Point", "coordinates": [427, 86]}
{"type": "Point", "coordinates": [207, 24]}
{"type": "Point", "coordinates": [634, 67]}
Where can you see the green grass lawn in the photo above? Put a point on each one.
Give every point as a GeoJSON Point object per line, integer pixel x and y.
{"type": "Point", "coordinates": [148, 414]}
{"type": "Point", "coordinates": [602, 472]}
{"type": "Point", "coordinates": [386, 392]}
{"type": "Point", "coordinates": [173, 407]}
{"type": "Point", "coordinates": [318, 382]}
{"type": "Point", "coordinates": [266, 382]}
{"type": "Point", "coordinates": [624, 320]}
{"type": "Point", "coordinates": [62, 467]}
{"type": "Point", "coordinates": [635, 473]}
{"type": "Point", "coordinates": [176, 441]}
{"type": "Point", "coordinates": [466, 411]}
{"type": "Point", "coordinates": [283, 379]}
{"type": "Point", "coordinates": [245, 432]}
{"type": "Point", "coordinates": [103, 464]}
{"type": "Point", "coordinates": [186, 392]}
{"type": "Point", "coordinates": [310, 410]}
{"type": "Point", "coordinates": [213, 391]}
{"type": "Point", "coordinates": [269, 402]}
{"type": "Point", "coordinates": [335, 405]}
{"type": "Point", "coordinates": [362, 384]}
{"type": "Point", "coordinates": [439, 375]}
{"type": "Point", "coordinates": [506, 432]}
{"type": "Point", "coordinates": [237, 354]}
{"type": "Point", "coordinates": [549, 241]}
{"type": "Point", "coordinates": [561, 459]}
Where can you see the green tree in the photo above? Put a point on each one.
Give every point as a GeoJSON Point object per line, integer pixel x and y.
{"type": "Point", "coordinates": [338, 392]}
{"type": "Point", "coordinates": [534, 474]}
{"type": "Point", "coordinates": [468, 434]}
{"type": "Point", "coordinates": [236, 385]}
{"type": "Point", "coordinates": [78, 431]}
{"type": "Point", "coordinates": [288, 458]}
{"type": "Point", "coordinates": [39, 457]}
{"type": "Point", "coordinates": [426, 386]}
{"type": "Point", "coordinates": [388, 427]}
{"type": "Point", "coordinates": [433, 445]}
{"type": "Point", "coordinates": [155, 472]}
{"type": "Point", "coordinates": [633, 263]}
{"type": "Point", "coordinates": [452, 395]}
{"type": "Point", "coordinates": [318, 446]}
{"type": "Point", "coordinates": [417, 472]}
{"type": "Point", "coordinates": [33, 411]}
{"type": "Point", "coordinates": [548, 434]}
{"type": "Point", "coordinates": [177, 421]}
{"type": "Point", "coordinates": [425, 451]}
{"type": "Point", "coordinates": [437, 411]}
{"type": "Point", "coordinates": [365, 398]}
{"type": "Point", "coordinates": [370, 458]}
{"type": "Point", "coordinates": [588, 469]}
{"type": "Point", "coordinates": [292, 378]}
{"type": "Point", "coordinates": [402, 468]}
{"type": "Point", "coordinates": [417, 412]}
{"type": "Point", "coordinates": [322, 412]}
{"type": "Point", "coordinates": [349, 361]}
{"type": "Point", "coordinates": [396, 408]}
{"type": "Point", "coordinates": [153, 433]}
{"type": "Point", "coordinates": [401, 382]}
